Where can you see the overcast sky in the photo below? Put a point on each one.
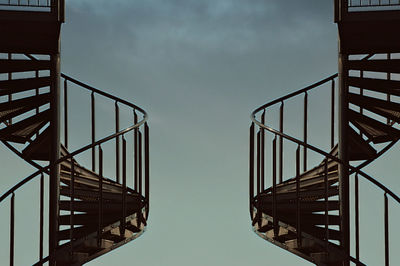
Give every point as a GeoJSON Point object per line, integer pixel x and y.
{"type": "Point", "coordinates": [199, 67]}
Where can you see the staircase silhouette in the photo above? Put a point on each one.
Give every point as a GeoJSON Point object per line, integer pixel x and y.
{"type": "Point", "coordinates": [89, 214]}
{"type": "Point", "coordinates": [309, 213]}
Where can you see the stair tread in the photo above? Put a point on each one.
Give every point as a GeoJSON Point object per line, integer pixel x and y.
{"type": "Point", "coordinates": [313, 206]}
{"type": "Point", "coordinates": [87, 194]}
{"type": "Point", "coordinates": [108, 207]}
{"type": "Point", "coordinates": [376, 65]}
{"type": "Point", "coordinates": [23, 130]}
{"type": "Point", "coordinates": [305, 195]}
{"type": "Point", "coordinates": [15, 108]}
{"type": "Point", "coordinates": [8, 66]}
{"type": "Point", "coordinates": [359, 149]}
{"type": "Point", "coordinates": [375, 130]}
{"type": "Point", "coordinates": [308, 182]}
{"type": "Point", "coordinates": [20, 85]}
{"type": "Point", "coordinates": [384, 108]}
{"type": "Point", "coordinates": [378, 85]}
{"type": "Point", "coordinates": [39, 148]}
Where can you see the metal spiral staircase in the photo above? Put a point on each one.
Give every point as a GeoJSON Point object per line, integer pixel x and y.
{"type": "Point", "coordinates": [91, 210]}
{"type": "Point", "coordinates": [313, 213]}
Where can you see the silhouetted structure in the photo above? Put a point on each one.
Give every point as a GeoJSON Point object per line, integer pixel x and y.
{"type": "Point", "coordinates": [309, 214]}
{"type": "Point", "coordinates": [88, 214]}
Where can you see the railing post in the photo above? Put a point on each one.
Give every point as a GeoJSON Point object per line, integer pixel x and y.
{"type": "Point", "coordinates": [10, 78]}
{"type": "Point", "coordinates": [12, 230]}
{"type": "Point", "coordinates": [326, 181]}
{"type": "Point", "coordinates": [262, 155]}
{"type": "Point", "coordinates": [147, 166]}
{"type": "Point", "coordinates": [274, 198]}
{"type": "Point", "coordinates": [71, 206]}
{"type": "Point", "coordinates": [281, 144]}
{"type": "Point", "coordinates": [65, 113]}
{"type": "Point", "coordinates": [41, 218]}
{"type": "Point", "coordinates": [298, 199]}
{"type": "Point", "coordinates": [258, 162]}
{"type": "Point", "coordinates": [386, 231]}
{"type": "Point", "coordinates": [136, 157]}
{"type": "Point", "coordinates": [388, 77]}
{"type": "Point", "coordinates": [305, 131]}
{"type": "Point", "coordinates": [100, 218]}
{"type": "Point", "coordinates": [93, 120]}
{"type": "Point", "coordinates": [251, 168]}
{"type": "Point", "coordinates": [123, 186]}
{"type": "Point", "coordinates": [357, 217]}
{"type": "Point", "coordinates": [333, 114]}
{"type": "Point", "coordinates": [140, 163]}
{"type": "Point", "coordinates": [117, 163]}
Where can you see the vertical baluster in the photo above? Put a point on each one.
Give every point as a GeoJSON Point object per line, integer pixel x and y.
{"type": "Point", "coordinates": [135, 147]}
{"type": "Point", "coordinates": [281, 144]}
{"type": "Point", "coordinates": [305, 131]}
{"type": "Point", "coordinates": [41, 217]}
{"type": "Point", "coordinates": [326, 204]}
{"type": "Point", "coordinates": [251, 168]}
{"type": "Point", "coordinates": [123, 186]}
{"type": "Point", "coordinates": [274, 200]}
{"type": "Point", "coordinates": [65, 113]}
{"type": "Point", "coordinates": [258, 162]}
{"type": "Point", "coordinates": [93, 112]}
{"type": "Point", "coordinates": [117, 163]}
{"type": "Point", "coordinates": [71, 207]}
{"type": "Point", "coordinates": [12, 224]}
{"type": "Point", "coordinates": [386, 231]}
{"type": "Point", "coordinates": [357, 217]}
{"type": "Point", "coordinates": [298, 204]}
{"type": "Point", "coordinates": [147, 166]}
{"type": "Point", "coordinates": [388, 76]}
{"type": "Point", "coordinates": [262, 154]}
{"type": "Point", "coordinates": [333, 113]}
{"type": "Point", "coordinates": [10, 78]}
{"type": "Point", "coordinates": [140, 161]}
{"type": "Point", "coordinates": [101, 200]}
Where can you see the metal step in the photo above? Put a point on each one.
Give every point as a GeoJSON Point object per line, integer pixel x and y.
{"type": "Point", "coordinates": [384, 108]}
{"type": "Point", "coordinates": [378, 85]}
{"type": "Point", "coordinates": [308, 207]}
{"type": "Point", "coordinates": [359, 149]}
{"type": "Point", "coordinates": [20, 85]}
{"type": "Point", "coordinates": [92, 194]}
{"type": "Point", "coordinates": [305, 195]}
{"type": "Point", "coordinates": [108, 207]}
{"type": "Point", "coordinates": [377, 131]}
{"type": "Point", "coordinates": [23, 130]}
{"type": "Point", "coordinates": [15, 108]}
{"type": "Point", "coordinates": [12, 65]}
{"type": "Point", "coordinates": [382, 65]}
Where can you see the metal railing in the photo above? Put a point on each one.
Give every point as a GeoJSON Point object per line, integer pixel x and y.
{"type": "Point", "coordinates": [131, 148]}
{"type": "Point", "coordinates": [265, 153]}
{"type": "Point", "coordinates": [373, 3]}
{"type": "Point", "coordinates": [53, 7]}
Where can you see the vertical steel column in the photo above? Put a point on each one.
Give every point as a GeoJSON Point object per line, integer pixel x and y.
{"type": "Point", "coordinates": [388, 77]}
{"type": "Point", "coordinates": [344, 185]}
{"type": "Point", "coordinates": [258, 162]}
{"type": "Point", "coordinates": [72, 207]}
{"type": "Point", "coordinates": [10, 78]}
{"type": "Point", "coordinates": [298, 203]}
{"type": "Point", "coordinates": [357, 217]}
{"type": "Point", "coordinates": [326, 203]}
{"type": "Point", "coordinates": [54, 184]}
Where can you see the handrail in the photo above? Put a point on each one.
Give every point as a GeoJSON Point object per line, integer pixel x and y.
{"type": "Point", "coordinates": [311, 147]}
{"type": "Point", "coordinates": [290, 95]}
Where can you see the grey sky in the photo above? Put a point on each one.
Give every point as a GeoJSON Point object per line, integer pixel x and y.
{"type": "Point", "coordinates": [199, 68]}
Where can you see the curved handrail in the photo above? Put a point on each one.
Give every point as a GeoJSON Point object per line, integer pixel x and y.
{"type": "Point", "coordinates": [313, 148]}
{"type": "Point", "coordinates": [327, 155]}
{"type": "Point", "coordinates": [83, 149]}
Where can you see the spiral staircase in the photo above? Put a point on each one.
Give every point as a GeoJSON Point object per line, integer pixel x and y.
{"type": "Point", "coordinates": [309, 214]}
{"type": "Point", "coordinates": [90, 213]}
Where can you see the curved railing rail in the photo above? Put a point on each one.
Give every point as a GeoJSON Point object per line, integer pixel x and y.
{"type": "Point", "coordinates": [131, 145]}
{"type": "Point", "coordinates": [258, 156]}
